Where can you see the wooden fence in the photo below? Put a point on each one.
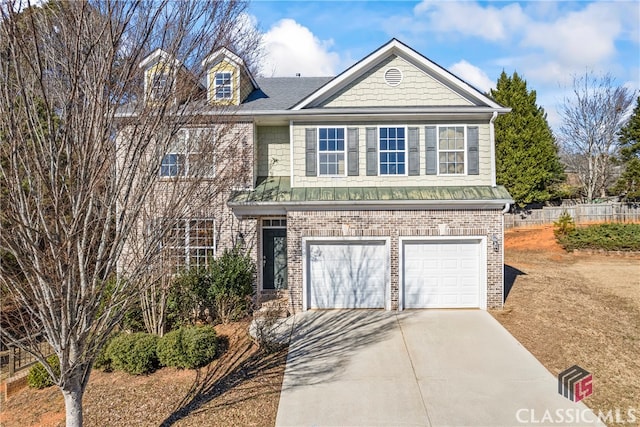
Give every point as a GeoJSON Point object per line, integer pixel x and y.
{"type": "Point", "coordinates": [581, 213]}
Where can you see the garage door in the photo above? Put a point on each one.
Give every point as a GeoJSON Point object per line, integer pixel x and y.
{"type": "Point", "coordinates": [347, 275]}
{"type": "Point", "coordinates": [442, 274]}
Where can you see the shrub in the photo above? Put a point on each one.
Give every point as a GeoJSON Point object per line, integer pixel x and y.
{"type": "Point", "coordinates": [564, 226]}
{"type": "Point", "coordinates": [200, 345]}
{"type": "Point", "coordinates": [102, 360]}
{"type": "Point", "coordinates": [39, 378]}
{"type": "Point", "coordinates": [170, 350]}
{"type": "Point", "coordinates": [133, 353]}
{"type": "Point", "coordinates": [231, 285]}
{"type": "Point", "coordinates": [608, 237]}
{"type": "Point", "coordinates": [186, 297]}
{"type": "Point", "coordinates": [188, 347]}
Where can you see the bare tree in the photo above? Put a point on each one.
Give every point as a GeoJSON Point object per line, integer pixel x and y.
{"type": "Point", "coordinates": [591, 119]}
{"type": "Point", "coordinates": [80, 154]}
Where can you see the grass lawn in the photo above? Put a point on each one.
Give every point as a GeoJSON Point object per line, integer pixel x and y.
{"type": "Point", "coordinates": [579, 309]}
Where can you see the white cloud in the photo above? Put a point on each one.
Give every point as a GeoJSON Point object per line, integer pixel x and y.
{"type": "Point", "coordinates": [471, 19]}
{"type": "Point", "coordinates": [291, 48]}
{"type": "Point", "coordinates": [580, 38]}
{"type": "Point", "coordinates": [472, 75]}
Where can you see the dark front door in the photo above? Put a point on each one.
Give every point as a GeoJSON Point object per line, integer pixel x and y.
{"type": "Point", "coordinates": [274, 261]}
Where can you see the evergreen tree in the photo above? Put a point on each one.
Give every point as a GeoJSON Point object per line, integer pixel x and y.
{"type": "Point", "coordinates": [527, 161]}
{"type": "Point", "coordinates": [630, 135]}
{"type": "Point", "coordinates": [629, 183]}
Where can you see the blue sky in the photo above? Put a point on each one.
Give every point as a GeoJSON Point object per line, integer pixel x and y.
{"type": "Point", "coordinates": [546, 42]}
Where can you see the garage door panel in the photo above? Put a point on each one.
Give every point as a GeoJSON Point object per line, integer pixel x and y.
{"type": "Point", "coordinates": [440, 274]}
{"type": "Point", "coordinates": [347, 275]}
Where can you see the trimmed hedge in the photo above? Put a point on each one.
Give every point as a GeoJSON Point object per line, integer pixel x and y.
{"type": "Point", "coordinates": [133, 353]}
{"type": "Point", "coordinates": [608, 237]}
{"type": "Point", "coordinates": [188, 347]}
{"type": "Point", "coordinates": [39, 378]}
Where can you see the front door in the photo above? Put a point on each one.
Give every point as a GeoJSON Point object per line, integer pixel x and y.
{"type": "Point", "coordinates": [274, 261]}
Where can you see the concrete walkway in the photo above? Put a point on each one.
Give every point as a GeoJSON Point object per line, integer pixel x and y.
{"type": "Point", "coordinates": [416, 368]}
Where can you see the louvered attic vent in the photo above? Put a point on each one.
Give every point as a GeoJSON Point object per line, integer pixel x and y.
{"type": "Point", "coordinates": [393, 77]}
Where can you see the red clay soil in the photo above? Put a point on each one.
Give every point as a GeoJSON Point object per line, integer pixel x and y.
{"type": "Point", "coordinates": [532, 239]}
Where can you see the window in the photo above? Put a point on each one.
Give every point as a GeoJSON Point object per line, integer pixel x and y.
{"type": "Point", "coordinates": [451, 149]}
{"type": "Point", "coordinates": [190, 243]}
{"type": "Point", "coordinates": [331, 151]}
{"type": "Point", "coordinates": [223, 86]}
{"type": "Point", "coordinates": [190, 154]}
{"type": "Point", "coordinates": [159, 86]}
{"type": "Point", "coordinates": [392, 151]}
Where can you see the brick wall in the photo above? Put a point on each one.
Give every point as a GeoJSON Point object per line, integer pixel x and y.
{"type": "Point", "coordinates": [395, 224]}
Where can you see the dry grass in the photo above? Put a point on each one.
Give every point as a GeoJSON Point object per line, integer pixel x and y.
{"type": "Point", "coordinates": [576, 309]}
{"type": "Point", "coordinates": [240, 388]}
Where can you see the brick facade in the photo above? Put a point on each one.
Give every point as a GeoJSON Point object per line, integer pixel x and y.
{"type": "Point", "coordinates": [393, 225]}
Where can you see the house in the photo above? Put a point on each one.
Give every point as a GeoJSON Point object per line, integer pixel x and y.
{"type": "Point", "coordinates": [372, 189]}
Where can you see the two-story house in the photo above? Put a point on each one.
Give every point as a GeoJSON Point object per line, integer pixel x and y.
{"type": "Point", "coordinates": [372, 189]}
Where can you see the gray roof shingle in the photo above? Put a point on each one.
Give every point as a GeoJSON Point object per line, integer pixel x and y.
{"type": "Point", "coordinates": [282, 93]}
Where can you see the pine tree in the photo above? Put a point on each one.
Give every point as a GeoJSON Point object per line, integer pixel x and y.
{"type": "Point", "coordinates": [629, 183]}
{"type": "Point", "coordinates": [630, 135]}
{"type": "Point", "coordinates": [527, 161]}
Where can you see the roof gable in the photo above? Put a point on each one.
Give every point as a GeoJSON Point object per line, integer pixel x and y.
{"type": "Point", "coordinates": [424, 83]}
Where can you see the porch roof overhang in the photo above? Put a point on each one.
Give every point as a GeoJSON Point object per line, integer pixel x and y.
{"type": "Point", "coordinates": [274, 196]}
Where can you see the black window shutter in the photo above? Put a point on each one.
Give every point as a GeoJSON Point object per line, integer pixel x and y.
{"type": "Point", "coordinates": [372, 151]}
{"type": "Point", "coordinates": [473, 157]}
{"type": "Point", "coordinates": [310, 152]}
{"type": "Point", "coordinates": [414, 151]}
{"type": "Point", "coordinates": [431, 155]}
{"type": "Point", "coordinates": [353, 167]}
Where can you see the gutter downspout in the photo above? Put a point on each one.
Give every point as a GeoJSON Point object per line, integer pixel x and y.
{"type": "Point", "coordinates": [507, 206]}
{"type": "Point", "coordinates": [291, 162]}
{"type": "Point", "coordinates": [492, 137]}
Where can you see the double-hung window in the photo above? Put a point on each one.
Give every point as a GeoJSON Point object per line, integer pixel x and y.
{"type": "Point", "coordinates": [331, 151]}
{"type": "Point", "coordinates": [190, 154]}
{"type": "Point", "coordinates": [451, 150]}
{"type": "Point", "coordinates": [158, 86]}
{"type": "Point", "coordinates": [223, 85]}
{"type": "Point", "coordinates": [190, 243]}
{"type": "Point", "coordinates": [392, 142]}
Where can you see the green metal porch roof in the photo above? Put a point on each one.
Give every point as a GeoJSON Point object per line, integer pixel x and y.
{"type": "Point", "coordinates": [277, 191]}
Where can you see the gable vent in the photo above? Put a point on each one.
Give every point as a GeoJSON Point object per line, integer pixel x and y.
{"type": "Point", "coordinates": [393, 77]}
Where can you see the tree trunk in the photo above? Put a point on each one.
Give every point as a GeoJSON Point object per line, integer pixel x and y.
{"type": "Point", "coordinates": [73, 405]}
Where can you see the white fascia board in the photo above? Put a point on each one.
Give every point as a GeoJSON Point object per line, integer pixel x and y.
{"type": "Point", "coordinates": [356, 113]}
{"type": "Point", "coordinates": [156, 56]}
{"type": "Point", "coordinates": [274, 208]}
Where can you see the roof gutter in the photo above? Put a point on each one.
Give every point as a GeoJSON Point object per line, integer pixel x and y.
{"type": "Point", "coordinates": [333, 112]}
{"type": "Point", "coordinates": [266, 208]}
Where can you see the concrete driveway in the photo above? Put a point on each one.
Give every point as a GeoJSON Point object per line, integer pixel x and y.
{"type": "Point", "coordinates": [416, 368]}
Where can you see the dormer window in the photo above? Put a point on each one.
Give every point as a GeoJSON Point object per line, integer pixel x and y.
{"type": "Point", "coordinates": [159, 86]}
{"type": "Point", "coordinates": [223, 85]}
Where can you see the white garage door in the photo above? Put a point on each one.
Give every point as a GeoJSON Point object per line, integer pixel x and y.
{"type": "Point", "coordinates": [442, 274]}
{"type": "Point", "coordinates": [347, 275]}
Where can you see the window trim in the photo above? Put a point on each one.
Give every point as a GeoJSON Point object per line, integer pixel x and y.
{"type": "Point", "coordinates": [344, 152]}
{"type": "Point", "coordinates": [186, 153]}
{"type": "Point", "coordinates": [182, 249]}
{"type": "Point", "coordinates": [406, 150]}
{"type": "Point", "coordinates": [463, 150]}
{"type": "Point", "coordinates": [216, 93]}
{"type": "Point", "coordinates": [150, 78]}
